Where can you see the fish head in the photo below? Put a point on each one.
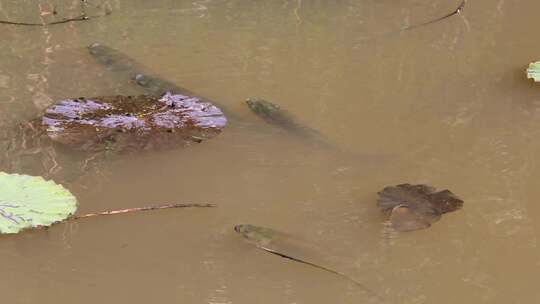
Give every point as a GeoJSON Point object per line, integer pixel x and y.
{"type": "Point", "coordinates": [254, 234]}
{"type": "Point", "coordinates": [142, 80]}
{"type": "Point", "coordinates": [97, 48]}
{"type": "Point", "coordinates": [239, 228]}
{"type": "Point", "coordinates": [262, 107]}
{"type": "Point", "coordinates": [94, 45]}
{"type": "Point", "coordinates": [245, 230]}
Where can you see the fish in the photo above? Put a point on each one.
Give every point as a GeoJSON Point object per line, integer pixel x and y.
{"type": "Point", "coordinates": [281, 244]}
{"type": "Point", "coordinates": [159, 86]}
{"type": "Point", "coordinates": [275, 115]}
{"type": "Point", "coordinates": [142, 76]}
{"type": "Point", "coordinates": [114, 59]}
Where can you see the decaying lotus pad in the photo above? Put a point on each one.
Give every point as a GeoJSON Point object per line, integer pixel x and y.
{"type": "Point", "coordinates": [412, 207]}
{"type": "Point", "coordinates": [128, 123]}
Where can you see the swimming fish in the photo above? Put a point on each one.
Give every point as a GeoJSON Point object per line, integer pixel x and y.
{"type": "Point", "coordinates": [286, 246]}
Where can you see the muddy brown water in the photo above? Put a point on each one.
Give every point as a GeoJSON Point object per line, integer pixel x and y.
{"type": "Point", "coordinates": [446, 104]}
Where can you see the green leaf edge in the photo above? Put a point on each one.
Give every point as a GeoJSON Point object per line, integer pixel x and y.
{"type": "Point", "coordinates": [65, 202]}
{"type": "Point", "coordinates": [533, 71]}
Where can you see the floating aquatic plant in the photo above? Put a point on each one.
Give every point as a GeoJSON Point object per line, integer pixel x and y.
{"type": "Point", "coordinates": [533, 71]}
{"type": "Point", "coordinates": [31, 201]}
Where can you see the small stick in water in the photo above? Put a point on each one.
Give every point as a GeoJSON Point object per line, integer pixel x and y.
{"type": "Point", "coordinates": [82, 17]}
{"type": "Point", "coordinates": [74, 19]}
{"type": "Point", "coordinates": [130, 210]}
{"type": "Point", "coordinates": [457, 11]}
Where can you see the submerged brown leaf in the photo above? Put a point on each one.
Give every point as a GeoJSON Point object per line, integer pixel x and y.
{"type": "Point", "coordinates": [412, 207]}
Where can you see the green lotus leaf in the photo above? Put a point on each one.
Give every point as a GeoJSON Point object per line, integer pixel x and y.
{"type": "Point", "coordinates": [533, 71]}
{"type": "Point", "coordinates": [31, 202]}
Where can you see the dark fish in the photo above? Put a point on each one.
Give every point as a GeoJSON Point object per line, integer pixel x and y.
{"type": "Point", "coordinates": [275, 115]}
{"type": "Point", "coordinates": [158, 86]}
{"type": "Point", "coordinates": [119, 62]}
{"type": "Point", "coordinates": [288, 247]}
{"type": "Point", "coordinates": [115, 60]}
{"type": "Point", "coordinates": [413, 207]}
{"type": "Point", "coordinates": [139, 74]}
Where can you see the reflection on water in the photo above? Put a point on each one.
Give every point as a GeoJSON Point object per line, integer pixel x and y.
{"type": "Point", "coordinates": [449, 102]}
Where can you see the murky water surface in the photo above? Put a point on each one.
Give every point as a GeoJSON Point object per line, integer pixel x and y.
{"type": "Point", "coordinates": [445, 104]}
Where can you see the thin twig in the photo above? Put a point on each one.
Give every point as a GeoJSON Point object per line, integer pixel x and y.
{"type": "Point", "coordinates": [457, 11]}
{"type": "Point", "coordinates": [82, 17]}
{"type": "Point", "coordinates": [129, 210]}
